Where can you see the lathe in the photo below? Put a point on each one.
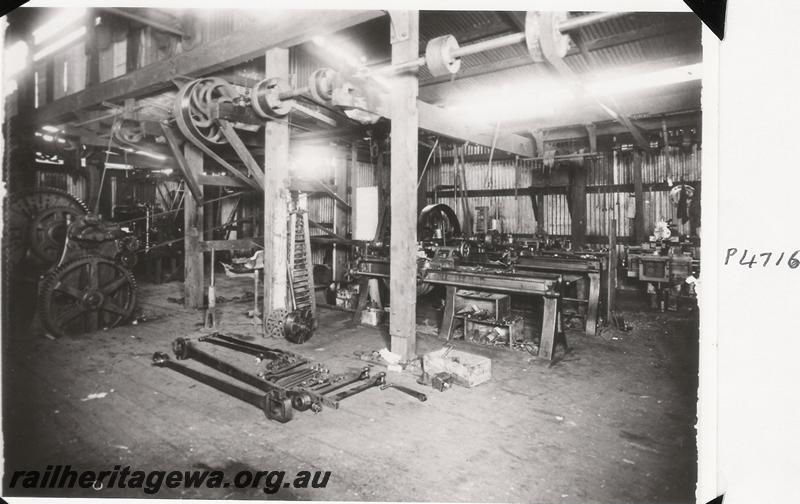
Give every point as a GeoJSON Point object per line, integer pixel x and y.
{"type": "Point", "coordinates": [491, 262]}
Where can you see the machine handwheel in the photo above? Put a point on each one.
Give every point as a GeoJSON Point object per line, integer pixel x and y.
{"type": "Point", "coordinates": [87, 294]}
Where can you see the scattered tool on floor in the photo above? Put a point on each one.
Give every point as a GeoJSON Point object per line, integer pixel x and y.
{"type": "Point", "coordinates": [442, 381]}
{"type": "Point", "coordinates": [288, 384]}
{"type": "Point", "coordinates": [413, 393]}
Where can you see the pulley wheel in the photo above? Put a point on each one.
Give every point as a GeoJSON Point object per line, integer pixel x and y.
{"type": "Point", "coordinates": [266, 98]}
{"type": "Point", "coordinates": [321, 84]}
{"type": "Point", "coordinates": [533, 34]}
{"type": "Point", "coordinates": [192, 108]}
{"type": "Point", "coordinates": [439, 56]}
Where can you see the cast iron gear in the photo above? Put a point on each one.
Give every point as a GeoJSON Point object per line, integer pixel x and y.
{"type": "Point", "coordinates": [37, 222]}
{"type": "Point", "coordinates": [86, 294]}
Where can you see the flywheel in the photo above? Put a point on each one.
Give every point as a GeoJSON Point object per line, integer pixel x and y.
{"type": "Point", "coordinates": [85, 295]}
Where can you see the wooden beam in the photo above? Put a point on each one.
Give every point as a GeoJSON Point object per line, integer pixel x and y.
{"type": "Point", "coordinates": [189, 175]}
{"type": "Point", "coordinates": [286, 29]}
{"type": "Point", "coordinates": [144, 20]}
{"type": "Point", "coordinates": [276, 176]}
{"type": "Point", "coordinates": [451, 124]}
{"type": "Point", "coordinates": [241, 244]}
{"type": "Point", "coordinates": [241, 150]}
{"type": "Point", "coordinates": [194, 276]}
{"type": "Point", "coordinates": [406, 116]}
{"type": "Point", "coordinates": [222, 180]}
{"type": "Point", "coordinates": [675, 119]}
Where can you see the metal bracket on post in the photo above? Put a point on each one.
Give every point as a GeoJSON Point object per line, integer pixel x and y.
{"type": "Point", "coordinates": [398, 25]}
{"type": "Point", "coordinates": [591, 130]}
{"type": "Point", "coordinates": [538, 140]}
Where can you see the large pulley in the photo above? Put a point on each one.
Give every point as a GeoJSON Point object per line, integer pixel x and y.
{"type": "Point", "coordinates": [85, 295]}
{"type": "Point", "coordinates": [192, 108]}
{"type": "Point", "coordinates": [437, 220]}
{"type": "Point", "coordinates": [37, 224]}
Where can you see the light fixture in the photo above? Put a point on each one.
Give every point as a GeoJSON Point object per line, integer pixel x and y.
{"type": "Point", "coordinates": [151, 155]}
{"type": "Point", "coordinates": [118, 166]}
{"type": "Point", "coordinates": [50, 129]}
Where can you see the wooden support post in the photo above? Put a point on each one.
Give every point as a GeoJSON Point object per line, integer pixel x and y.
{"type": "Point", "coordinates": [638, 224]}
{"type": "Point", "coordinates": [93, 171]}
{"type": "Point", "coordinates": [422, 193]}
{"type": "Point", "coordinates": [405, 124]}
{"type": "Point", "coordinates": [276, 175]}
{"type": "Point", "coordinates": [537, 200]}
{"type": "Point", "coordinates": [578, 192]}
{"type": "Point", "coordinates": [611, 297]}
{"type": "Point", "coordinates": [92, 53]}
{"type": "Point", "coordinates": [353, 174]}
{"type": "Point", "coordinates": [342, 181]}
{"type": "Point", "coordinates": [19, 167]}
{"type": "Point", "coordinates": [194, 276]}
{"type": "Point", "coordinates": [382, 179]}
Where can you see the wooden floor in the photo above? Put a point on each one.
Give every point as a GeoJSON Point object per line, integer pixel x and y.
{"type": "Point", "coordinates": [612, 422]}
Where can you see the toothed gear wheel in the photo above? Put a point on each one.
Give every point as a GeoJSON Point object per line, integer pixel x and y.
{"type": "Point", "coordinates": [37, 222]}
{"type": "Point", "coordinates": [273, 323]}
{"type": "Point", "coordinates": [85, 295]}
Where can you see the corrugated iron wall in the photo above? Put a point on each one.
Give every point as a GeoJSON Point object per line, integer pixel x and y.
{"type": "Point", "coordinates": [70, 182]}
{"type": "Point", "coordinates": [609, 191]}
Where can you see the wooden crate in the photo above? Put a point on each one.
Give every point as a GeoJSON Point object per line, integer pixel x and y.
{"type": "Point", "coordinates": [497, 305]}
{"type": "Point", "coordinates": [468, 369]}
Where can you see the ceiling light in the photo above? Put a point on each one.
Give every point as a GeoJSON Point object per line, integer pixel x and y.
{"type": "Point", "coordinates": [151, 155]}
{"type": "Point", "coordinates": [50, 129]}
{"type": "Point", "coordinates": [118, 166]}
